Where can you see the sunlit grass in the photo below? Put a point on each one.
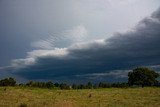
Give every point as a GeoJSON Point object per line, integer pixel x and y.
{"type": "Point", "coordinates": [110, 97]}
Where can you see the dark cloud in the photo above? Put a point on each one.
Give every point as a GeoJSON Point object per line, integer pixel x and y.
{"type": "Point", "coordinates": [137, 47]}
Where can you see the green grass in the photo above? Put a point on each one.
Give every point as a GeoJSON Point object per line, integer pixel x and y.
{"type": "Point", "coordinates": [109, 97]}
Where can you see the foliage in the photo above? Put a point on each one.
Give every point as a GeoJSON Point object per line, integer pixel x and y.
{"type": "Point", "coordinates": [139, 76]}
{"type": "Point", "coordinates": [7, 82]}
{"type": "Point", "coordinates": [64, 86]}
{"type": "Point", "coordinates": [40, 84]}
{"type": "Point", "coordinates": [143, 77]}
{"type": "Point", "coordinates": [89, 85]}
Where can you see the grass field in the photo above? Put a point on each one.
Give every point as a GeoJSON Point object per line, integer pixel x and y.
{"type": "Point", "coordinates": [110, 97]}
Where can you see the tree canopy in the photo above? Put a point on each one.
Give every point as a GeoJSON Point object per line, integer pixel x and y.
{"type": "Point", "coordinates": [142, 76]}
{"type": "Point", "coordinates": [8, 82]}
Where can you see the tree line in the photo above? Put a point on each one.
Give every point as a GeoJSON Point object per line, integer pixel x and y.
{"type": "Point", "coordinates": [50, 85]}
{"type": "Point", "coordinates": [137, 77]}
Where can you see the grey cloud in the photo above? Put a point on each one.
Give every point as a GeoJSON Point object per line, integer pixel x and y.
{"type": "Point", "coordinates": [26, 21]}
{"type": "Point", "coordinates": [114, 74]}
{"type": "Point", "coordinates": [137, 47]}
{"type": "Point", "coordinates": [64, 39]}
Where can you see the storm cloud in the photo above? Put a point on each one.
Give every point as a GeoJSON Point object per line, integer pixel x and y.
{"type": "Point", "coordinates": [106, 59]}
{"type": "Point", "coordinates": [45, 24]}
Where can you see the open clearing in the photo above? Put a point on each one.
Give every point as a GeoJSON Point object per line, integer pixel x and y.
{"type": "Point", "coordinates": [109, 97]}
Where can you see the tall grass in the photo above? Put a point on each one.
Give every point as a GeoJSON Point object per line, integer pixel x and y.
{"type": "Point", "coordinates": [109, 97]}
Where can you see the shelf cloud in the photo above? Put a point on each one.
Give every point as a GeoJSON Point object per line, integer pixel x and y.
{"type": "Point", "coordinates": [108, 59]}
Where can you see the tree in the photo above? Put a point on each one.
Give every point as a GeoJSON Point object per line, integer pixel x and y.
{"type": "Point", "coordinates": [81, 86]}
{"type": "Point", "coordinates": [89, 85]}
{"type": "Point", "coordinates": [142, 76]}
{"type": "Point", "coordinates": [8, 82]}
{"type": "Point", "coordinates": [49, 84]}
{"type": "Point", "coordinates": [64, 86]}
{"type": "Point", "coordinates": [74, 86]}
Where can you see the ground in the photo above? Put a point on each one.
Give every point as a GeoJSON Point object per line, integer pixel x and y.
{"type": "Point", "coordinates": [109, 97]}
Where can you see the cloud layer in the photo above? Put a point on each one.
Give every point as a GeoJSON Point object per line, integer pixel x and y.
{"type": "Point", "coordinates": [64, 39]}
{"type": "Point", "coordinates": [108, 59]}
{"type": "Point", "coordinates": [47, 24]}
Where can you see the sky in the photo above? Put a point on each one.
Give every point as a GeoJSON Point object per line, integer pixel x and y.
{"type": "Point", "coordinates": [78, 40]}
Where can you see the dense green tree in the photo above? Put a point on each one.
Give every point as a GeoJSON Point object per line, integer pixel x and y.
{"type": "Point", "coordinates": [104, 85]}
{"type": "Point", "coordinates": [56, 84]}
{"type": "Point", "coordinates": [81, 86]}
{"type": "Point", "coordinates": [64, 86]}
{"type": "Point", "coordinates": [89, 85]}
{"type": "Point", "coordinates": [143, 77]}
{"type": "Point", "coordinates": [40, 84]}
{"type": "Point", "coordinates": [49, 84]}
{"type": "Point", "coordinates": [74, 86]}
{"type": "Point", "coordinates": [8, 82]}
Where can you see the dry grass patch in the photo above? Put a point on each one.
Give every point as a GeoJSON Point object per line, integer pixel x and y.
{"type": "Point", "coordinates": [111, 97]}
